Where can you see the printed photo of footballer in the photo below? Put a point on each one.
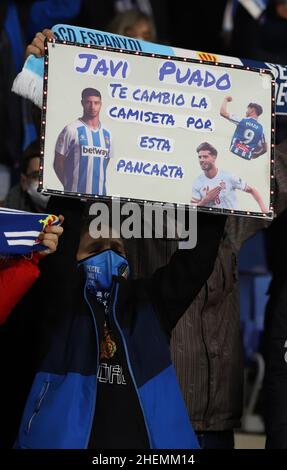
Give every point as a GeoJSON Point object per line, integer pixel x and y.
{"type": "Point", "coordinates": [248, 140]}
{"type": "Point", "coordinates": [83, 149]}
{"type": "Point", "coordinates": [217, 188]}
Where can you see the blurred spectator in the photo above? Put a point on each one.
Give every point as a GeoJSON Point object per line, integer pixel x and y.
{"type": "Point", "coordinates": [201, 29]}
{"type": "Point", "coordinates": [133, 23]}
{"type": "Point", "coordinates": [24, 195]}
{"type": "Point", "coordinates": [11, 131]}
{"type": "Point", "coordinates": [97, 15]}
{"type": "Point", "coordinates": [5, 178]}
{"type": "Point", "coordinates": [274, 30]}
{"type": "Point", "coordinates": [275, 383]}
{"type": "Point", "coordinates": [246, 34]}
{"type": "Point", "coordinates": [261, 38]}
{"type": "Point", "coordinates": [281, 8]}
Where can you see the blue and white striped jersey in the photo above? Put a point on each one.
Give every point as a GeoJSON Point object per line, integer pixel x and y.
{"type": "Point", "coordinates": [247, 137]}
{"type": "Point", "coordinates": [87, 153]}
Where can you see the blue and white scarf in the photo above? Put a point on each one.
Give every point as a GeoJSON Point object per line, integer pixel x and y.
{"type": "Point", "coordinates": [29, 82]}
{"type": "Point", "coordinates": [19, 231]}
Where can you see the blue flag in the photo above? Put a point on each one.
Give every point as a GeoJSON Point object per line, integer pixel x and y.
{"type": "Point", "coordinates": [19, 231]}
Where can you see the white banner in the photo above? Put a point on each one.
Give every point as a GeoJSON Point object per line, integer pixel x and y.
{"type": "Point", "coordinates": [157, 129]}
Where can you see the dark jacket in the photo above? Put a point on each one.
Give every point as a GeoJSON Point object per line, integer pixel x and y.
{"type": "Point", "coordinates": [206, 343]}
{"type": "Point", "coordinates": [275, 383]}
{"type": "Point", "coordinates": [60, 408]}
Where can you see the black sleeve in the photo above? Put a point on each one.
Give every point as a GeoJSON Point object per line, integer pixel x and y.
{"type": "Point", "coordinates": [58, 271]}
{"type": "Point", "coordinates": [65, 256]}
{"type": "Point", "coordinates": [176, 285]}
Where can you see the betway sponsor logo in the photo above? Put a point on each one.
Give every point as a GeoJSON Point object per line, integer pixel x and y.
{"type": "Point", "coordinates": [95, 151]}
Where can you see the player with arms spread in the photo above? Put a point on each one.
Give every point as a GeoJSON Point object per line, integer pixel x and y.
{"type": "Point", "coordinates": [217, 188]}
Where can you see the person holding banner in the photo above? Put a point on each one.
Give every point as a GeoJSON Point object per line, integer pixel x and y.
{"type": "Point", "coordinates": [248, 140]}
{"type": "Point", "coordinates": [107, 381]}
{"type": "Point", "coordinates": [216, 188]}
{"type": "Point", "coordinates": [83, 149]}
{"type": "Point", "coordinates": [221, 397]}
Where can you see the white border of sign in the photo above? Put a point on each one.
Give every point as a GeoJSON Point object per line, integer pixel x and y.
{"type": "Point", "coordinates": [269, 215]}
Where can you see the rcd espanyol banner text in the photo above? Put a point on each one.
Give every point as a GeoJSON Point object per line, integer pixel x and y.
{"type": "Point", "coordinates": [29, 82]}
{"type": "Point", "coordinates": [157, 129]}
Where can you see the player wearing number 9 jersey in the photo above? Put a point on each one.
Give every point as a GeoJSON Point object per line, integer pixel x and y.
{"type": "Point", "coordinates": [248, 140]}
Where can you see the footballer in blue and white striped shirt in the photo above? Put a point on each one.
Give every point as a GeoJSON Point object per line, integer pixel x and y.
{"type": "Point", "coordinates": [83, 149]}
{"type": "Point", "coordinates": [248, 140]}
